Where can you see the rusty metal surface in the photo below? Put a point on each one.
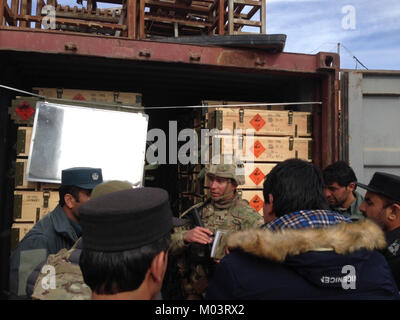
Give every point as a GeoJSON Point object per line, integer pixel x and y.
{"type": "Point", "coordinates": [108, 47]}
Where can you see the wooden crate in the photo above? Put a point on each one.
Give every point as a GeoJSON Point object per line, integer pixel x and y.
{"type": "Point", "coordinates": [22, 183]}
{"type": "Point", "coordinates": [263, 122]}
{"type": "Point", "coordinates": [22, 110]}
{"type": "Point", "coordinates": [18, 232]}
{"type": "Point", "coordinates": [33, 205]}
{"type": "Point", "coordinates": [262, 149]}
{"type": "Point", "coordinates": [24, 135]}
{"type": "Point", "coordinates": [20, 175]}
{"type": "Point", "coordinates": [254, 175]}
{"type": "Point", "coordinates": [255, 199]}
{"type": "Point", "coordinates": [245, 104]}
{"type": "Point", "coordinates": [130, 98]}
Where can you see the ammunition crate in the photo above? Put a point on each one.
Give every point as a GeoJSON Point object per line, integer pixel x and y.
{"type": "Point", "coordinates": [24, 135]}
{"type": "Point", "coordinates": [22, 183]}
{"type": "Point", "coordinates": [33, 205]}
{"type": "Point", "coordinates": [255, 199]}
{"type": "Point", "coordinates": [22, 110]}
{"type": "Point", "coordinates": [91, 95]}
{"type": "Point", "coordinates": [261, 121]}
{"type": "Point", "coordinates": [18, 232]}
{"type": "Point", "coordinates": [262, 149]}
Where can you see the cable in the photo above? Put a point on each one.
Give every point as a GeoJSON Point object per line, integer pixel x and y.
{"type": "Point", "coordinates": [354, 57]}
{"type": "Point", "coordinates": [180, 107]}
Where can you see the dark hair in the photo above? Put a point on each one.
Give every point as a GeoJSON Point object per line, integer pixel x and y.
{"type": "Point", "coordinates": [114, 272]}
{"type": "Point", "coordinates": [73, 190]}
{"type": "Point", "coordinates": [295, 185]}
{"type": "Point", "coordinates": [339, 172]}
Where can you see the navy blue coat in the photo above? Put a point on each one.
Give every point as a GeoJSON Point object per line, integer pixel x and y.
{"type": "Point", "coordinates": [48, 236]}
{"type": "Point", "coordinates": [305, 264]}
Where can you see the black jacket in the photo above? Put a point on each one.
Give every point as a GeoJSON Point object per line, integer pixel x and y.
{"type": "Point", "coordinates": [392, 253]}
{"type": "Point", "coordinates": [337, 262]}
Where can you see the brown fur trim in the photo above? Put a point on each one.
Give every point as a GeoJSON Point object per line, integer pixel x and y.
{"type": "Point", "coordinates": [277, 245]}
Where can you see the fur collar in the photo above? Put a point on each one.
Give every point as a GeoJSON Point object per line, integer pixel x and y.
{"type": "Point", "coordinates": [277, 245]}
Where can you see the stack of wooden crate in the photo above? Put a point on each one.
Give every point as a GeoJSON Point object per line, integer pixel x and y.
{"type": "Point", "coordinates": [279, 134]}
{"type": "Point", "coordinates": [33, 200]}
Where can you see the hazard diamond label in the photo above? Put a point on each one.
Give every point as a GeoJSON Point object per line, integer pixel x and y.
{"type": "Point", "coordinates": [256, 203]}
{"type": "Point", "coordinates": [257, 122]}
{"type": "Point", "coordinates": [79, 97]}
{"type": "Point", "coordinates": [257, 176]}
{"type": "Point", "coordinates": [24, 110]}
{"type": "Point", "coordinates": [257, 149]}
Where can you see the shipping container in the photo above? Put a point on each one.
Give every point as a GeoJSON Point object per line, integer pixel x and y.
{"type": "Point", "coordinates": [165, 74]}
{"type": "Point", "coordinates": [369, 126]}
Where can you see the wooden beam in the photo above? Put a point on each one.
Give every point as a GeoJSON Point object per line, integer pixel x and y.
{"type": "Point", "coordinates": [245, 22]}
{"type": "Point", "coordinates": [131, 19]}
{"type": "Point", "coordinates": [74, 22]}
{"type": "Point", "coordinates": [180, 21]}
{"type": "Point", "coordinates": [39, 6]}
{"type": "Point", "coordinates": [230, 17]}
{"type": "Point", "coordinates": [8, 15]}
{"type": "Point", "coordinates": [142, 31]}
{"type": "Point", "coordinates": [2, 6]}
{"type": "Point", "coordinates": [189, 9]}
{"type": "Point", "coordinates": [263, 17]}
{"type": "Point", "coordinates": [221, 20]}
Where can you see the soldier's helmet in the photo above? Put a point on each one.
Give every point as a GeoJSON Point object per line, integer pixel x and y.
{"type": "Point", "coordinates": [227, 168]}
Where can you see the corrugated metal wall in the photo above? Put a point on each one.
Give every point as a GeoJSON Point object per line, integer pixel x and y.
{"type": "Point", "coordinates": [372, 103]}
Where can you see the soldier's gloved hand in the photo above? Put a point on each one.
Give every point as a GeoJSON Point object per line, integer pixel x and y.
{"type": "Point", "coordinates": [199, 235]}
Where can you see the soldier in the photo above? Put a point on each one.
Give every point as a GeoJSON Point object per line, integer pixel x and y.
{"type": "Point", "coordinates": [224, 210]}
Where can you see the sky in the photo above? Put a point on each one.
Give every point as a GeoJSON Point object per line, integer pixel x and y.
{"type": "Point", "coordinates": [366, 29]}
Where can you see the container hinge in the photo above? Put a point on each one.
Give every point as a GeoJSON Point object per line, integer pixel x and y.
{"type": "Point", "coordinates": [309, 123]}
{"type": "Point", "coordinates": [310, 150]}
{"type": "Point", "coordinates": [21, 140]}
{"type": "Point", "coordinates": [17, 206]}
{"type": "Point", "coordinates": [290, 115]}
{"type": "Point", "coordinates": [46, 197]}
{"type": "Point", "coordinates": [218, 119]}
{"type": "Point", "coordinates": [291, 143]}
{"type": "Point", "coordinates": [59, 93]}
{"type": "Point", "coordinates": [241, 115]}
{"type": "Point", "coordinates": [116, 95]}
{"type": "Point", "coordinates": [19, 174]}
{"type": "Point", "coordinates": [37, 214]}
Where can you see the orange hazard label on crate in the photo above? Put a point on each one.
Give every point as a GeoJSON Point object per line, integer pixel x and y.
{"type": "Point", "coordinates": [24, 110]}
{"type": "Point", "coordinates": [256, 203]}
{"type": "Point", "coordinates": [257, 149]}
{"type": "Point", "coordinates": [257, 122]}
{"type": "Point", "coordinates": [257, 176]}
{"type": "Point", "coordinates": [79, 97]}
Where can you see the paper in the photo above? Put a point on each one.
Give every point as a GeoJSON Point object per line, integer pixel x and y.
{"type": "Point", "coordinates": [219, 244]}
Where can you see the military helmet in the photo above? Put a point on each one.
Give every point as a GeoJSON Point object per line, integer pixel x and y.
{"type": "Point", "coordinates": [231, 168]}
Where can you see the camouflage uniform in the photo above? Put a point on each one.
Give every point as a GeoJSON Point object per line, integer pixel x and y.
{"type": "Point", "coordinates": [68, 278]}
{"type": "Point", "coordinates": [232, 215]}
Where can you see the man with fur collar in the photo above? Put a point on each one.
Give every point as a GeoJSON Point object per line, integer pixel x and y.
{"type": "Point", "coordinates": [304, 251]}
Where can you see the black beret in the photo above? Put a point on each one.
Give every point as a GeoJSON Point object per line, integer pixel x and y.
{"type": "Point", "coordinates": [125, 220]}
